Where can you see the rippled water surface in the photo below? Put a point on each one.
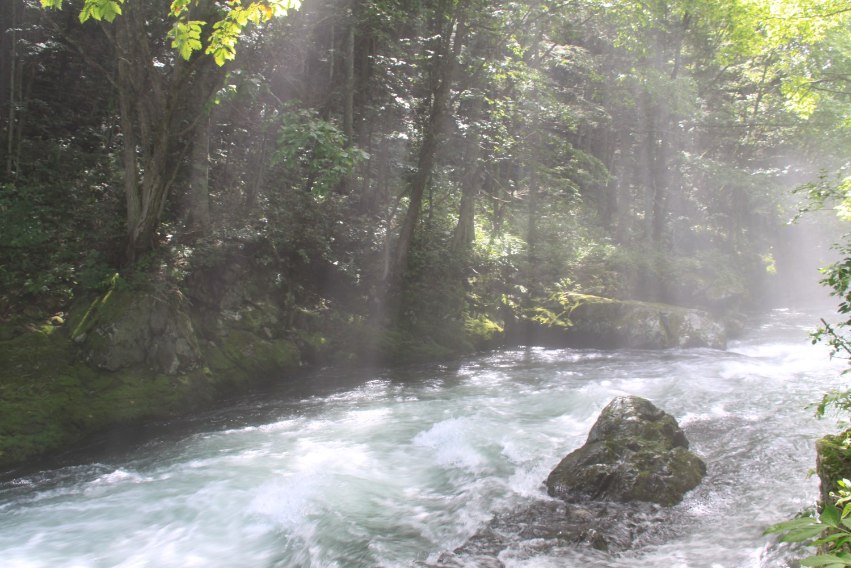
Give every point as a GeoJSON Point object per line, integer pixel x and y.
{"type": "Point", "coordinates": [391, 468]}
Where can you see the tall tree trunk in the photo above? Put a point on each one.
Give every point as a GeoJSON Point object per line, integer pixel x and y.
{"type": "Point", "coordinates": [532, 259]}
{"type": "Point", "coordinates": [345, 184]}
{"type": "Point", "coordinates": [465, 231]}
{"type": "Point", "coordinates": [129, 151]}
{"type": "Point", "coordinates": [10, 57]}
{"type": "Point", "coordinates": [349, 62]}
{"type": "Point", "coordinates": [199, 182]}
{"type": "Point", "coordinates": [445, 67]}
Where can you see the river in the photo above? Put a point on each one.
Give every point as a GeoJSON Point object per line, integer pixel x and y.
{"type": "Point", "coordinates": [391, 467]}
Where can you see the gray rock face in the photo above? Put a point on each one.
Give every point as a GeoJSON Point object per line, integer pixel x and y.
{"type": "Point", "coordinates": [580, 320]}
{"type": "Point", "coordinates": [644, 325]}
{"type": "Point", "coordinates": [634, 452]}
{"type": "Point", "coordinates": [127, 331]}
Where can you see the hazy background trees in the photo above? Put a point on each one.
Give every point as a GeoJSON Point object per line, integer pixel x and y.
{"type": "Point", "coordinates": [419, 161]}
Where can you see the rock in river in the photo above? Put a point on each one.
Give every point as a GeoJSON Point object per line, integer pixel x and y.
{"type": "Point", "coordinates": [613, 493]}
{"type": "Point", "coordinates": [634, 452]}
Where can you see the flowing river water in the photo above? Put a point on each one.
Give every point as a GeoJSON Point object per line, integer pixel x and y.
{"type": "Point", "coordinates": [390, 468]}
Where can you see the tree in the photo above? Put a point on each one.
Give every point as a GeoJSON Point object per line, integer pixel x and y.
{"type": "Point", "coordinates": [451, 35]}
{"type": "Point", "coordinates": [162, 98]}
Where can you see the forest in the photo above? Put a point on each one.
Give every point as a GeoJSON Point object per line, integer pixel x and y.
{"type": "Point", "coordinates": [200, 196]}
{"type": "Point", "coordinates": [431, 161]}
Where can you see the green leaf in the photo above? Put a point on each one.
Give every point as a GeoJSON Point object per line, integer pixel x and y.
{"type": "Point", "coordinates": [186, 37]}
{"type": "Point", "coordinates": [791, 524]}
{"type": "Point", "coordinates": [101, 10]}
{"type": "Point", "coordinates": [802, 534]}
{"type": "Point", "coordinates": [178, 7]}
{"type": "Point", "coordinates": [838, 538]}
{"type": "Point", "coordinates": [823, 560]}
{"type": "Point", "coordinates": [110, 11]}
{"type": "Point", "coordinates": [830, 516]}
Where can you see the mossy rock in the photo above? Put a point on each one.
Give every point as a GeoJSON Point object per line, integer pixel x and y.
{"type": "Point", "coordinates": [397, 347]}
{"type": "Point", "coordinates": [591, 321]}
{"type": "Point", "coordinates": [129, 329]}
{"type": "Point", "coordinates": [634, 452]}
{"type": "Point", "coordinates": [50, 400]}
{"type": "Point", "coordinates": [833, 462]}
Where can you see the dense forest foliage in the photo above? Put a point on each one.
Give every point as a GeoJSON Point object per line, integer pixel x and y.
{"type": "Point", "coordinates": [415, 164]}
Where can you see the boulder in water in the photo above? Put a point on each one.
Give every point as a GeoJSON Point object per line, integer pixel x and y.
{"type": "Point", "coordinates": [634, 452]}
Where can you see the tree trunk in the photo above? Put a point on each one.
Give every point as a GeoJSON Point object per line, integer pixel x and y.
{"type": "Point", "coordinates": [152, 103]}
{"type": "Point", "coordinates": [10, 64]}
{"type": "Point", "coordinates": [465, 231]}
{"type": "Point", "coordinates": [349, 60]}
{"type": "Point", "coordinates": [345, 184]}
{"type": "Point", "coordinates": [129, 148]}
{"type": "Point", "coordinates": [532, 232]}
{"type": "Point", "coordinates": [199, 182]}
{"type": "Point", "coordinates": [445, 67]}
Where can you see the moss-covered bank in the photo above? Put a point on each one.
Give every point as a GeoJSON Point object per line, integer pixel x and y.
{"type": "Point", "coordinates": [50, 399]}
{"type": "Point", "coordinates": [142, 352]}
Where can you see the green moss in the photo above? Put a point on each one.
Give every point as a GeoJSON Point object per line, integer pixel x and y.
{"type": "Point", "coordinates": [245, 351]}
{"type": "Point", "coordinates": [50, 401]}
{"type": "Point", "coordinates": [833, 461]}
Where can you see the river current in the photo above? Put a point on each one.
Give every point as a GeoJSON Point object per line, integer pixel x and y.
{"type": "Point", "coordinates": [390, 468]}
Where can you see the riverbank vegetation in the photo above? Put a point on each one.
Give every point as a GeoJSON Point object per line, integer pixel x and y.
{"type": "Point", "coordinates": [199, 192]}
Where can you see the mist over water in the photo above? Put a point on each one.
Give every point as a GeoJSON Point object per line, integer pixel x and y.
{"type": "Point", "coordinates": [394, 467]}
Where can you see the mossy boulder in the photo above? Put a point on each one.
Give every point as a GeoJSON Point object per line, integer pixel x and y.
{"type": "Point", "coordinates": [592, 321]}
{"type": "Point", "coordinates": [833, 462]}
{"type": "Point", "coordinates": [126, 329]}
{"type": "Point", "coordinates": [634, 452]}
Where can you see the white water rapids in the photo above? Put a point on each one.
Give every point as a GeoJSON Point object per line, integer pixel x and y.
{"type": "Point", "coordinates": [392, 467]}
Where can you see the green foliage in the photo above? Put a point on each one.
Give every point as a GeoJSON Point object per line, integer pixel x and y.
{"type": "Point", "coordinates": [828, 191]}
{"type": "Point", "coordinates": [226, 31]}
{"type": "Point", "coordinates": [185, 33]}
{"type": "Point", "coordinates": [838, 279]}
{"type": "Point", "coordinates": [830, 530]}
{"type": "Point", "coordinates": [33, 269]}
{"type": "Point", "coordinates": [837, 400]}
{"type": "Point", "coordinates": [314, 151]}
{"type": "Point", "coordinates": [101, 10]}
{"type": "Point", "coordinates": [186, 37]}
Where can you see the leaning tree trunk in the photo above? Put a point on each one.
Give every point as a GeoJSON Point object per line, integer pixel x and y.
{"type": "Point", "coordinates": [445, 67]}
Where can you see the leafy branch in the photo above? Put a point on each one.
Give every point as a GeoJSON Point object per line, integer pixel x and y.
{"type": "Point", "coordinates": [830, 531]}
{"type": "Point", "coordinates": [186, 34]}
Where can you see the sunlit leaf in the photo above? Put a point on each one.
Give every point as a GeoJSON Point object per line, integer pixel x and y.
{"type": "Point", "coordinates": [824, 560]}
{"type": "Point", "coordinates": [802, 534]}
